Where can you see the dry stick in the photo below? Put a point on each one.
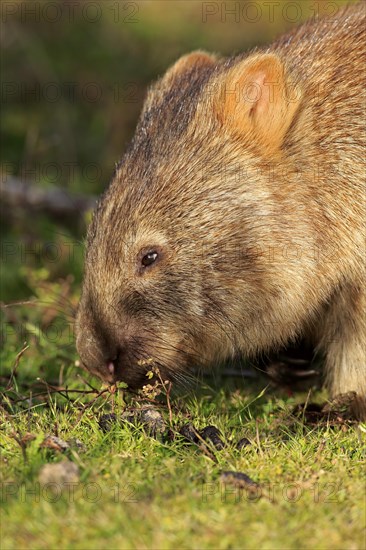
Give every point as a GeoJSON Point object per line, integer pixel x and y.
{"type": "Point", "coordinates": [25, 303]}
{"type": "Point", "coordinates": [167, 394]}
{"type": "Point", "coordinates": [37, 303]}
{"type": "Point", "coordinates": [112, 390]}
{"type": "Point", "coordinates": [207, 448]}
{"type": "Point", "coordinates": [54, 201]}
{"type": "Point", "coordinates": [60, 391]}
{"type": "Point", "coordinates": [168, 402]}
{"type": "Point", "coordinates": [87, 383]}
{"type": "Point", "coordinates": [53, 389]}
{"type": "Point", "coordinates": [56, 389]}
{"type": "Point", "coordinates": [22, 445]}
{"type": "Point", "coordinates": [206, 451]}
{"type": "Point", "coordinates": [16, 364]}
{"type": "Point", "coordinates": [257, 438]}
{"type": "Point", "coordinates": [306, 405]}
{"type": "Point", "coordinates": [359, 435]}
{"type": "Point", "coordinates": [61, 374]}
{"type": "Point", "coordinates": [29, 409]}
{"type": "Point", "coordinates": [42, 304]}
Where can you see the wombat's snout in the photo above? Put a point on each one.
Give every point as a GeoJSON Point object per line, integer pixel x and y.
{"type": "Point", "coordinates": [106, 352]}
{"type": "Point", "coordinates": [104, 363]}
{"type": "Point", "coordinates": [99, 357]}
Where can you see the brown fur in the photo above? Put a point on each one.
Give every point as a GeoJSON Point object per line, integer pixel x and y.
{"type": "Point", "coordinates": [246, 176]}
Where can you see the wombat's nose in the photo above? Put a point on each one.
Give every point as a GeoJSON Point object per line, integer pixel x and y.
{"type": "Point", "coordinates": [112, 365]}
{"type": "Point", "coordinates": [111, 368]}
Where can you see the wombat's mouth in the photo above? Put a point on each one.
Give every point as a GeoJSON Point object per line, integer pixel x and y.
{"type": "Point", "coordinates": [135, 374]}
{"type": "Point", "coordinates": [135, 377]}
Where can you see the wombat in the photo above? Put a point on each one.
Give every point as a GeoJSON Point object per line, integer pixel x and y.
{"type": "Point", "coordinates": [235, 221]}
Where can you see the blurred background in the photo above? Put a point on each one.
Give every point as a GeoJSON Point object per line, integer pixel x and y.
{"type": "Point", "coordinates": [74, 77]}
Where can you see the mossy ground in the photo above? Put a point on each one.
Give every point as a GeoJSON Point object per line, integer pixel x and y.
{"type": "Point", "coordinates": [136, 491]}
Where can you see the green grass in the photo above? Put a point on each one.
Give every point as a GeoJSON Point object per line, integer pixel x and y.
{"type": "Point", "coordinates": [136, 491]}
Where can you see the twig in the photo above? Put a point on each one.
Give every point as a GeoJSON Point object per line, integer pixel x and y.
{"type": "Point", "coordinates": [87, 383]}
{"type": "Point", "coordinates": [257, 438]}
{"type": "Point", "coordinates": [22, 303]}
{"type": "Point", "coordinates": [22, 442]}
{"type": "Point", "coordinates": [167, 388]}
{"type": "Point", "coordinates": [16, 364]}
{"type": "Point", "coordinates": [306, 405]}
{"type": "Point", "coordinates": [54, 201]}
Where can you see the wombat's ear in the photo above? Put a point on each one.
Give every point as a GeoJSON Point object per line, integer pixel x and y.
{"type": "Point", "coordinates": [197, 60]}
{"type": "Point", "coordinates": [193, 61]}
{"type": "Point", "coordinates": [258, 100]}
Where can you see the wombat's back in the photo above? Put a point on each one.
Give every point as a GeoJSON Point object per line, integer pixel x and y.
{"type": "Point", "coordinates": [328, 58]}
{"type": "Point", "coordinates": [318, 46]}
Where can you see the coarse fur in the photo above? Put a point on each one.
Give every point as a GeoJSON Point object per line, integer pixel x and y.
{"type": "Point", "coordinates": [246, 178]}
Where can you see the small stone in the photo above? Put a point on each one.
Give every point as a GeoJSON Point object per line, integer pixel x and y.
{"type": "Point", "coordinates": [61, 472]}
{"type": "Point", "coordinates": [76, 444]}
{"type": "Point", "coordinates": [153, 421]}
{"type": "Point", "coordinates": [55, 443]}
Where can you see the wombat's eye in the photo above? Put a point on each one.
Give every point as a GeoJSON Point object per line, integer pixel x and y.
{"type": "Point", "coordinates": [149, 258]}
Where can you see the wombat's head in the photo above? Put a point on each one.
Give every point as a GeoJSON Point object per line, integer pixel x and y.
{"type": "Point", "coordinates": [169, 271]}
